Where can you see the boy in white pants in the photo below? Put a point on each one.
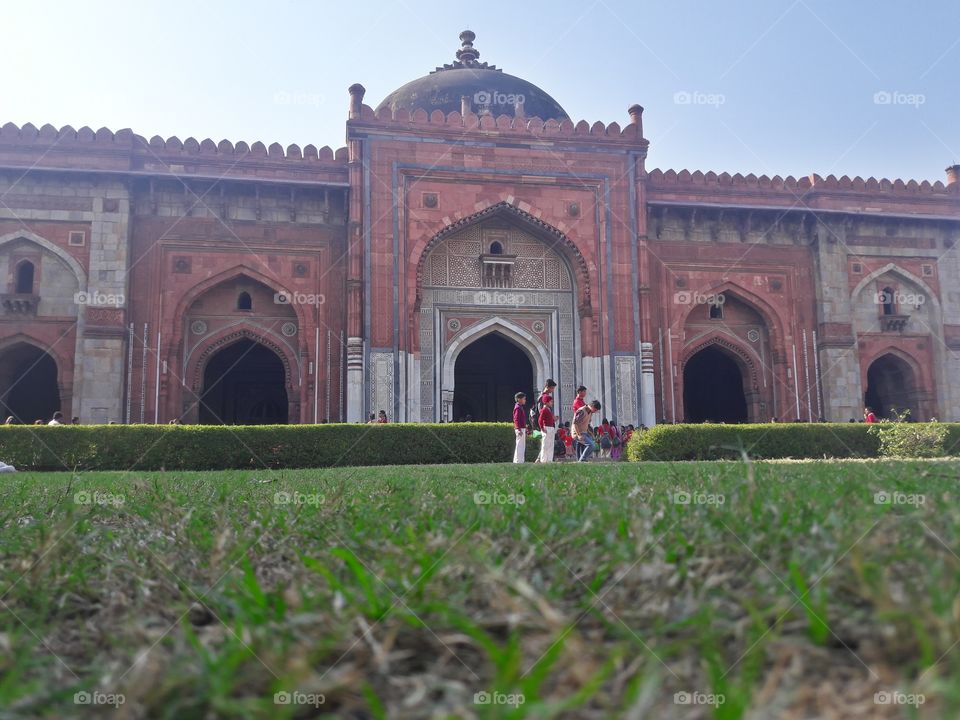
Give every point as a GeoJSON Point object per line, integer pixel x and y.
{"type": "Point", "coordinates": [548, 426]}
{"type": "Point", "coordinates": [520, 427]}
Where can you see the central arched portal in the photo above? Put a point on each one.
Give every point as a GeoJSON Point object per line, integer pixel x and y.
{"type": "Point", "coordinates": [28, 384]}
{"type": "Point", "coordinates": [504, 274]}
{"type": "Point", "coordinates": [487, 374]}
{"type": "Point", "coordinates": [244, 384]}
{"type": "Point", "coordinates": [713, 388]}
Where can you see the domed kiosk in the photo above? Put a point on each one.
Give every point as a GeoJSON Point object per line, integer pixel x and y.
{"type": "Point", "coordinates": [482, 87]}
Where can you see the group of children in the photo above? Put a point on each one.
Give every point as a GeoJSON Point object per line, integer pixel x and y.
{"type": "Point", "coordinates": [576, 439]}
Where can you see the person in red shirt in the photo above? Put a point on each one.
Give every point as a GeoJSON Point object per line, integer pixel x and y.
{"type": "Point", "coordinates": [868, 415]}
{"type": "Point", "coordinates": [520, 427]}
{"type": "Point", "coordinates": [562, 438]}
{"type": "Point", "coordinates": [605, 438]}
{"type": "Point", "coordinates": [579, 402]}
{"type": "Point", "coordinates": [548, 389]}
{"type": "Point", "coordinates": [548, 426]}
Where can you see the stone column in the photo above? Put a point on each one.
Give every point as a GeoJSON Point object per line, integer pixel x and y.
{"type": "Point", "coordinates": [355, 290]}
{"type": "Point", "coordinates": [648, 400]}
{"type": "Point", "coordinates": [100, 359]}
{"type": "Point", "coordinates": [836, 343]}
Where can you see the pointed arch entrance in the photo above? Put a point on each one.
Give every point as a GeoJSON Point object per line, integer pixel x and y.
{"type": "Point", "coordinates": [713, 387]}
{"type": "Point", "coordinates": [487, 374]}
{"type": "Point", "coordinates": [498, 353]}
{"type": "Point", "coordinates": [892, 386]}
{"type": "Point", "coordinates": [28, 383]}
{"type": "Point", "coordinates": [244, 383]}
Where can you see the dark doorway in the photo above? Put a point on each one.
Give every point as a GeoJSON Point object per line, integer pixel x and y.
{"type": "Point", "coordinates": [28, 384]}
{"type": "Point", "coordinates": [488, 373]}
{"type": "Point", "coordinates": [713, 388]}
{"type": "Point", "coordinates": [890, 385]}
{"type": "Point", "coordinates": [244, 384]}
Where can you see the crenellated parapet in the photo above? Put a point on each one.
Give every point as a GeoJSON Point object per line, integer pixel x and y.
{"type": "Point", "coordinates": [815, 192]}
{"type": "Point", "coordinates": [534, 128]}
{"type": "Point", "coordinates": [125, 151]}
{"type": "Point", "coordinates": [815, 182]}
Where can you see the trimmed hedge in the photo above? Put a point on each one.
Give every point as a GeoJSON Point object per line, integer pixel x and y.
{"type": "Point", "coordinates": [769, 440]}
{"type": "Point", "coordinates": [219, 447]}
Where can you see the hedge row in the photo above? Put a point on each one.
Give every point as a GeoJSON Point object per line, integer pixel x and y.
{"type": "Point", "coordinates": [770, 440]}
{"type": "Point", "coordinates": [217, 447]}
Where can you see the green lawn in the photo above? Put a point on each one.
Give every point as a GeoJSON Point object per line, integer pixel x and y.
{"type": "Point", "coordinates": [573, 591]}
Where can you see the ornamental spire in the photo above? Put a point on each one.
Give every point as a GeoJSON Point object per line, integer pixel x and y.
{"type": "Point", "coordinates": [467, 54]}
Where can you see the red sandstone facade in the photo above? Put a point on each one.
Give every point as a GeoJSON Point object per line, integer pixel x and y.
{"type": "Point", "coordinates": [212, 282]}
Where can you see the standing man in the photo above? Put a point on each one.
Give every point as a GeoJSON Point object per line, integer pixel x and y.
{"type": "Point", "coordinates": [548, 426]}
{"type": "Point", "coordinates": [578, 402]}
{"type": "Point", "coordinates": [520, 427]}
{"type": "Point", "coordinates": [581, 429]}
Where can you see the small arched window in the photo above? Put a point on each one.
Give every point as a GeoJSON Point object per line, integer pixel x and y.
{"type": "Point", "coordinates": [496, 248]}
{"type": "Point", "coordinates": [716, 311]}
{"type": "Point", "coordinates": [887, 297]}
{"type": "Point", "coordinates": [25, 277]}
{"type": "Point", "coordinates": [244, 302]}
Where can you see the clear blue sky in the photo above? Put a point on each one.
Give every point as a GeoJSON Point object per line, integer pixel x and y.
{"type": "Point", "coordinates": [774, 86]}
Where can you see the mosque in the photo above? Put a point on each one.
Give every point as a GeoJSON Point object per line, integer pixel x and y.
{"type": "Point", "coordinates": [470, 241]}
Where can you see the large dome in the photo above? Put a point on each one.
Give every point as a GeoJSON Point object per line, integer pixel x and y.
{"type": "Point", "coordinates": [490, 91]}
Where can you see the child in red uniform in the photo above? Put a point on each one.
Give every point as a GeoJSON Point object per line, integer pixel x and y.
{"type": "Point", "coordinates": [548, 426]}
{"type": "Point", "coordinates": [520, 427]}
{"type": "Point", "coordinates": [579, 402]}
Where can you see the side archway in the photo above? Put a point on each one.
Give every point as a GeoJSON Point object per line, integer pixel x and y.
{"type": "Point", "coordinates": [30, 381]}
{"type": "Point", "coordinates": [894, 385]}
{"type": "Point", "coordinates": [721, 382]}
{"type": "Point", "coordinates": [198, 379]}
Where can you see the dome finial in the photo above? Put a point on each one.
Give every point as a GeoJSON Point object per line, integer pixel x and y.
{"type": "Point", "coordinates": [467, 54]}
